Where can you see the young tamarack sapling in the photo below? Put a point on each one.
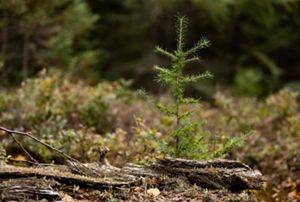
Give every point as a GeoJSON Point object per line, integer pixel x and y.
{"type": "Point", "coordinates": [187, 141]}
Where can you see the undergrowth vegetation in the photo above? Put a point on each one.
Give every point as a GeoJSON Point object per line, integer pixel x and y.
{"type": "Point", "coordinates": [59, 111]}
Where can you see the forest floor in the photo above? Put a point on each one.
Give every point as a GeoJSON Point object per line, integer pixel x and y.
{"type": "Point", "coordinates": [78, 119]}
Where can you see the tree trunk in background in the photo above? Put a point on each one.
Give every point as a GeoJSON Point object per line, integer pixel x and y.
{"type": "Point", "coordinates": [25, 56]}
{"type": "Point", "coordinates": [4, 37]}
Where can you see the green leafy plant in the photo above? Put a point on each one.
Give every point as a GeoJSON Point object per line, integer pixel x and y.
{"type": "Point", "coordinates": [188, 136]}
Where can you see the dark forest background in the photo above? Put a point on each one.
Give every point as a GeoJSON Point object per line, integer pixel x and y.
{"type": "Point", "coordinates": [255, 44]}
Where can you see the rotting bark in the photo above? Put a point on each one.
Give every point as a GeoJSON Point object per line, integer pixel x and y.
{"type": "Point", "coordinates": [18, 192]}
{"type": "Point", "coordinates": [213, 174]}
{"type": "Point", "coordinates": [65, 177]}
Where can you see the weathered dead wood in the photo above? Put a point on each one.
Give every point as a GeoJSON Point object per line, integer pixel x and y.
{"type": "Point", "coordinates": [184, 163]}
{"type": "Point", "coordinates": [100, 171]}
{"type": "Point", "coordinates": [25, 192]}
{"type": "Point", "coordinates": [139, 171]}
{"type": "Point", "coordinates": [214, 174]}
{"type": "Point", "coordinates": [61, 176]}
{"type": "Point", "coordinates": [218, 178]}
{"type": "Point", "coordinates": [26, 188]}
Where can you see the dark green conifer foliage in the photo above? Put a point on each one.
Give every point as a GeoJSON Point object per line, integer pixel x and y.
{"type": "Point", "coordinates": [189, 139]}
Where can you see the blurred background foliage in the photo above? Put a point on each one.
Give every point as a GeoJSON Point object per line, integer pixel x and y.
{"type": "Point", "coordinates": [67, 66]}
{"type": "Point", "coordinates": [255, 44]}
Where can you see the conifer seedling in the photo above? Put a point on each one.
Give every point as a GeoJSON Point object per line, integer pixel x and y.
{"type": "Point", "coordinates": [187, 142]}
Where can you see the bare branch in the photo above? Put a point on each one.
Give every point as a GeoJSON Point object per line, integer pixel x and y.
{"type": "Point", "coordinates": [21, 146]}
{"type": "Point", "coordinates": [27, 134]}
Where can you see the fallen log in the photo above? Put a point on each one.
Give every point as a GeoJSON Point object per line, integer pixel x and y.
{"type": "Point", "coordinates": [65, 177]}
{"type": "Point", "coordinates": [185, 163]}
{"type": "Point", "coordinates": [213, 174]}
{"type": "Point", "coordinates": [17, 192]}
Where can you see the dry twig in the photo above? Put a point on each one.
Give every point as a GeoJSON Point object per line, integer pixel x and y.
{"type": "Point", "coordinates": [28, 134]}
{"type": "Point", "coordinates": [76, 164]}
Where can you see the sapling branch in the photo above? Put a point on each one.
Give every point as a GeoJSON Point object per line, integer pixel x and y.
{"type": "Point", "coordinates": [161, 51]}
{"type": "Point", "coordinates": [203, 43]}
{"type": "Point", "coordinates": [181, 26]}
{"type": "Point", "coordinates": [193, 59]}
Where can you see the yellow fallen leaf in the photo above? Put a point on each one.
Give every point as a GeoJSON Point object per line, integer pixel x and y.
{"type": "Point", "coordinates": [138, 189]}
{"type": "Point", "coordinates": [153, 192]}
{"type": "Point", "coordinates": [67, 198]}
{"type": "Point", "coordinates": [293, 194]}
{"type": "Point", "coordinates": [20, 158]}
